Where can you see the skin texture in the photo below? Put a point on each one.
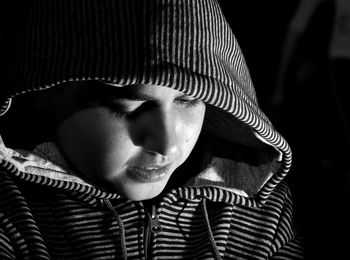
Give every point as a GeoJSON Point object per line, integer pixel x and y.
{"type": "Point", "coordinates": [126, 140]}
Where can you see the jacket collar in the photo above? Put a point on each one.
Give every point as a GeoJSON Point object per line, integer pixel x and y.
{"type": "Point", "coordinates": [46, 166]}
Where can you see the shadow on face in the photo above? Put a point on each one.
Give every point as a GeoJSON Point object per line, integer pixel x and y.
{"type": "Point", "coordinates": [127, 140]}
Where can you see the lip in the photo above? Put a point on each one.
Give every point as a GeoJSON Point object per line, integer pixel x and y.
{"type": "Point", "coordinates": [148, 174]}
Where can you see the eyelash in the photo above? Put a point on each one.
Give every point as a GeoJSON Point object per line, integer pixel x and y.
{"type": "Point", "coordinates": [188, 103]}
{"type": "Point", "coordinates": [120, 112]}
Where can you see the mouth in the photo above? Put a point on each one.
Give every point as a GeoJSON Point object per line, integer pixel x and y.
{"type": "Point", "coordinates": [148, 174]}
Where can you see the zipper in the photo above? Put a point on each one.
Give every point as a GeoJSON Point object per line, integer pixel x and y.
{"type": "Point", "coordinates": [152, 227]}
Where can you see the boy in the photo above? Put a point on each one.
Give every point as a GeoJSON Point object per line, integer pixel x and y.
{"type": "Point", "coordinates": [155, 146]}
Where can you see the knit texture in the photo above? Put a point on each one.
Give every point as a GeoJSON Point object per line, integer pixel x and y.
{"type": "Point", "coordinates": [46, 219]}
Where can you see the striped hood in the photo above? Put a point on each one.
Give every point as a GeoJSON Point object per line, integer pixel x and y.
{"type": "Point", "coordinates": [184, 45]}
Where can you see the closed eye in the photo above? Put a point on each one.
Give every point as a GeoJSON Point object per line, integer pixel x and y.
{"type": "Point", "coordinates": [187, 102]}
{"type": "Point", "coordinates": [124, 107]}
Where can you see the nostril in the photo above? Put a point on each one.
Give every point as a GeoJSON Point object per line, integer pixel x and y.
{"type": "Point", "coordinates": [164, 148]}
{"type": "Point", "coordinates": [160, 159]}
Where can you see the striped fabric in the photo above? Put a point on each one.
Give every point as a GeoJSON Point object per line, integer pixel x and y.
{"type": "Point", "coordinates": [40, 222]}
{"type": "Point", "coordinates": [186, 45]}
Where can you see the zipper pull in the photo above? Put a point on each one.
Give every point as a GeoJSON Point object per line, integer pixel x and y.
{"type": "Point", "coordinates": [153, 221]}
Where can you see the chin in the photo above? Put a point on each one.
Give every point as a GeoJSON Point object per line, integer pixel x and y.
{"type": "Point", "coordinates": [144, 191]}
{"type": "Point", "coordinates": [140, 196]}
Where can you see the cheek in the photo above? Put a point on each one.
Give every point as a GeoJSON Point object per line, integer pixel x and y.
{"type": "Point", "coordinates": [112, 146]}
{"type": "Point", "coordinates": [190, 126]}
{"type": "Point", "coordinates": [97, 144]}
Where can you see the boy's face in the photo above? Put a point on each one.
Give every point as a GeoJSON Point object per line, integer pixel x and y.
{"type": "Point", "coordinates": [127, 139]}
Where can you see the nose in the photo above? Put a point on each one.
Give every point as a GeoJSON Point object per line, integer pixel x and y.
{"type": "Point", "coordinates": [159, 133]}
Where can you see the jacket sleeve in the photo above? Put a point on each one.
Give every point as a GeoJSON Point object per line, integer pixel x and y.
{"type": "Point", "coordinates": [286, 244]}
{"type": "Point", "coordinates": [19, 235]}
{"type": "Point", "coordinates": [6, 246]}
{"type": "Point", "coordinates": [6, 250]}
{"type": "Point", "coordinates": [293, 249]}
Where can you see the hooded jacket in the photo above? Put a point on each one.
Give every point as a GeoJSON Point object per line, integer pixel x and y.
{"type": "Point", "coordinates": [236, 207]}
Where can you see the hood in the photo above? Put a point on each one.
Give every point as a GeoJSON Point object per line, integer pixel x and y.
{"type": "Point", "coordinates": [184, 45]}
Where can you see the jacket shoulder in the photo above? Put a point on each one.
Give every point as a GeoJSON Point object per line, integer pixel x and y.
{"type": "Point", "coordinates": [19, 233]}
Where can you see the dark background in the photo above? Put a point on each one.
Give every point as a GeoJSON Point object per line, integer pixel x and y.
{"type": "Point", "coordinates": [307, 118]}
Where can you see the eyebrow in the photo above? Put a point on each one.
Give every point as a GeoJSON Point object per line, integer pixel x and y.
{"type": "Point", "coordinates": [117, 92]}
{"type": "Point", "coordinates": [132, 95]}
